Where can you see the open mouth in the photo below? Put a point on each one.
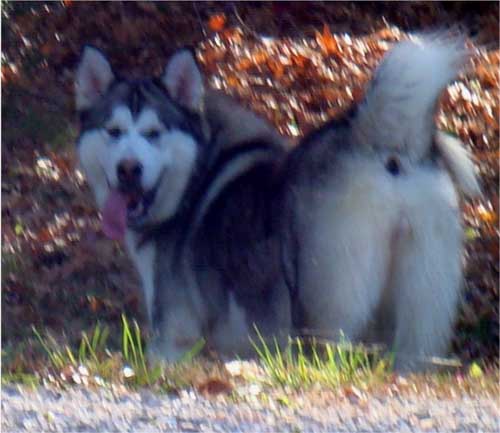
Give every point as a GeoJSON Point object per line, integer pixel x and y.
{"type": "Point", "coordinates": [138, 205]}
{"type": "Point", "coordinates": [139, 202]}
{"type": "Point", "coordinates": [127, 207]}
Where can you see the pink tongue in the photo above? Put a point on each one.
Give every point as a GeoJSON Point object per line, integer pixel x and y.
{"type": "Point", "coordinates": [114, 215]}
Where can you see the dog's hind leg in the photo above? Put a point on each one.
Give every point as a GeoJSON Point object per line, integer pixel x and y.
{"type": "Point", "coordinates": [426, 275]}
{"type": "Point", "coordinates": [344, 254]}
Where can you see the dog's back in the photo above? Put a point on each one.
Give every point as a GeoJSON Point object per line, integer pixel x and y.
{"type": "Point", "coordinates": [233, 124]}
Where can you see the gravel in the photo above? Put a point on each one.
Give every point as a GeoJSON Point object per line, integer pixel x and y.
{"type": "Point", "coordinates": [79, 409]}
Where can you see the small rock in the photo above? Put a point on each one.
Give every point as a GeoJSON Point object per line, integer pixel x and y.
{"type": "Point", "coordinates": [400, 380]}
{"type": "Point", "coordinates": [427, 424]}
{"type": "Point", "coordinates": [99, 381]}
{"type": "Point", "coordinates": [49, 417]}
{"type": "Point", "coordinates": [128, 372]}
{"type": "Point", "coordinates": [83, 370]}
{"type": "Point", "coordinates": [233, 367]}
{"type": "Point", "coordinates": [28, 424]}
{"type": "Point", "coordinates": [254, 389]}
{"type": "Point", "coordinates": [11, 390]}
{"type": "Point", "coordinates": [187, 426]}
{"type": "Point", "coordinates": [76, 378]}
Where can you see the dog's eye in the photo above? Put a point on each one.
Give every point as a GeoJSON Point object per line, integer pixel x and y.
{"type": "Point", "coordinates": [392, 166]}
{"type": "Point", "coordinates": [152, 134]}
{"type": "Point", "coordinates": [114, 132]}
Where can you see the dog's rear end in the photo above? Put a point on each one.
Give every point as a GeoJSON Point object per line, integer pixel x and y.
{"type": "Point", "coordinates": [379, 230]}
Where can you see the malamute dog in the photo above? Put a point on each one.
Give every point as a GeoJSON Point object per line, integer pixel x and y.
{"type": "Point", "coordinates": [357, 229]}
{"type": "Point", "coordinates": [191, 182]}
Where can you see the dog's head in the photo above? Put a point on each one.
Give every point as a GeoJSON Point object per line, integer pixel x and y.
{"type": "Point", "coordinates": [139, 140]}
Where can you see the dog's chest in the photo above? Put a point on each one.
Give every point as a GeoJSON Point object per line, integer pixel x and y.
{"type": "Point", "coordinates": [144, 259]}
{"type": "Point", "coordinates": [171, 279]}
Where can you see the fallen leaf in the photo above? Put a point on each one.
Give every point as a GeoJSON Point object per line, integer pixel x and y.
{"type": "Point", "coordinates": [217, 22]}
{"type": "Point", "coordinates": [244, 64]}
{"type": "Point", "coordinates": [276, 68]}
{"type": "Point", "coordinates": [475, 371]}
{"type": "Point", "coordinates": [327, 42]}
{"type": "Point", "coordinates": [232, 81]}
{"type": "Point", "coordinates": [215, 386]}
{"type": "Point", "coordinates": [260, 57]}
{"type": "Point", "coordinates": [233, 36]}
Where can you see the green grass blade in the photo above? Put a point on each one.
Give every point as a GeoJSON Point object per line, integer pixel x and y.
{"type": "Point", "coordinates": [125, 338]}
{"type": "Point", "coordinates": [54, 357]}
{"type": "Point", "coordinates": [41, 340]}
{"type": "Point", "coordinates": [194, 351]}
{"type": "Point", "coordinates": [95, 338]}
{"type": "Point", "coordinates": [82, 351]}
{"type": "Point", "coordinates": [141, 356]}
{"type": "Point", "coordinates": [71, 357]}
{"type": "Point", "coordinates": [92, 352]}
{"type": "Point", "coordinates": [103, 338]}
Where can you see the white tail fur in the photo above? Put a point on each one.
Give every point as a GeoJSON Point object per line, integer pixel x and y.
{"type": "Point", "coordinates": [458, 164]}
{"type": "Point", "coordinates": [397, 113]}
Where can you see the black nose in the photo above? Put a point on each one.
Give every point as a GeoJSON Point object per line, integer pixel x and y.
{"type": "Point", "coordinates": [129, 172]}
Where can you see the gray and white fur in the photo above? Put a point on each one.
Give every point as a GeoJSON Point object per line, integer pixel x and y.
{"type": "Point", "coordinates": [375, 199]}
{"type": "Point", "coordinates": [356, 230]}
{"type": "Point", "coordinates": [199, 178]}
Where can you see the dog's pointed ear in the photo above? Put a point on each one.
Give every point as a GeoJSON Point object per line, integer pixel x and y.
{"type": "Point", "coordinates": [93, 77]}
{"type": "Point", "coordinates": [183, 80]}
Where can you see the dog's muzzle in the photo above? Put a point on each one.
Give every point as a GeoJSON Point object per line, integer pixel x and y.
{"type": "Point", "coordinates": [139, 202]}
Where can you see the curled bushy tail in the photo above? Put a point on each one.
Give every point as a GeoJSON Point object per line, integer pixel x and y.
{"type": "Point", "coordinates": [398, 111]}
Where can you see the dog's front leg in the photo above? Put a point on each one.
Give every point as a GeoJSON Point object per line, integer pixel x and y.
{"type": "Point", "coordinates": [176, 325]}
{"type": "Point", "coordinates": [175, 336]}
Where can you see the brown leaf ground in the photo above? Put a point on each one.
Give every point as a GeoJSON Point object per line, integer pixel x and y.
{"type": "Point", "coordinates": [295, 63]}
